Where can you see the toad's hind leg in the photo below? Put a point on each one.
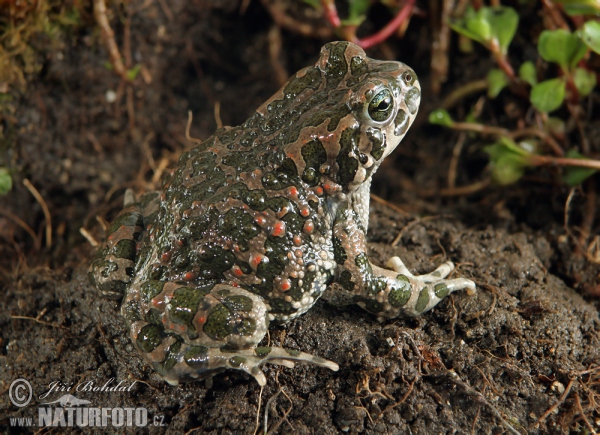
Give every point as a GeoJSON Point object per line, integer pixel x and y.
{"type": "Point", "coordinates": [203, 331]}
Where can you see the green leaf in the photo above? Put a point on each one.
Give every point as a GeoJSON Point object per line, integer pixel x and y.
{"type": "Point", "coordinates": [574, 175]}
{"type": "Point", "coordinates": [133, 72]}
{"type": "Point", "coordinates": [358, 8]}
{"type": "Point", "coordinates": [441, 117]}
{"type": "Point", "coordinates": [528, 73]}
{"type": "Point", "coordinates": [473, 26]}
{"type": "Point", "coordinates": [562, 47]}
{"type": "Point", "coordinates": [548, 95]}
{"type": "Point", "coordinates": [584, 80]}
{"type": "Point", "coordinates": [508, 161]}
{"type": "Point", "coordinates": [488, 24]}
{"type": "Point", "coordinates": [504, 22]}
{"type": "Point", "coordinates": [497, 81]}
{"type": "Point", "coordinates": [580, 7]}
{"type": "Point", "coordinates": [590, 34]}
{"type": "Point", "coordinates": [5, 181]}
{"type": "Point", "coordinates": [316, 4]}
{"type": "Point", "coordinates": [479, 26]}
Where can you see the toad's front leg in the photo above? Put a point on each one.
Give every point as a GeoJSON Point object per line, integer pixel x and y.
{"type": "Point", "coordinates": [385, 292]}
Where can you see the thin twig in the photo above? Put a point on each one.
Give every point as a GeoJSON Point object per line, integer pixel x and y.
{"type": "Point", "coordinates": [388, 204]}
{"type": "Point", "coordinates": [91, 239]}
{"type": "Point", "coordinates": [16, 219]}
{"type": "Point", "coordinates": [587, 423]}
{"type": "Point", "coordinates": [258, 410]}
{"type": "Point", "coordinates": [41, 322]}
{"type": "Point", "coordinates": [454, 161]}
{"type": "Point", "coordinates": [45, 209]}
{"type": "Point", "coordinates": [459, 94]}
{"type": "Point", "coordinates": [187, 130]}
{"type": "Point", "coordinates": [108, 36]}
{"type": "Point", "coordinates": [470, 391]}
{"type": "Point", "coordinates": [557, 404]}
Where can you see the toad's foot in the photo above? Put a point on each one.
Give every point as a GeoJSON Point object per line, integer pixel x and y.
{"type": "Point", "coordinates": [248, 360]}
{"type": "Point", "coordinates": [433, 287]}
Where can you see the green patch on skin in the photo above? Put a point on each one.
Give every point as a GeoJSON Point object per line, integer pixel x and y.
{"type": "Point", "coordinates": [339, 253]}
{"type": "Point", "coordinates": [237, 224]}
{"type": "Point", "coordinates": [195, 227]}
{"type": "Point", "coordinates": [256, 199]}
{"type": "Point", "coordinates": [276, 249]}
{"type": "Point", "coordinates": [217, 324]}
{"type": "Point", "coordinates": [358, 66]}
{"type": "Point", "coordinates": [279, 305]}
{"type": "Point", "coordinates": [345, 280]}
{"type": "Point", "coordinates": [222, 322]}
{"type": "Point", "coordinates": [401, 123]}
{"type": "Point", "coordinates": [150, 289]}
{"type": "Point", "coordinates": [125, 249]}
{"type": "Point", "coordinates": [377, 142]}
{"type": "Point", "coordinates": [412, 99]}
{"type": "Point", "coordinates": [362, 262]}
{"type": "Point", "coordinates": [373, 306]}
{"type": "Point", "coordinates": [129, 219]}
{"type": "Point", "coordinates": [310, 80]}
{"type": "Point", "coordinates": [347, 164]}
{"type": "Point", "coordinates": [441, 290]}
{"type": "Point", "coordinates": [263, 351]}
{"type": "Point", "coordinates": [293, 223]}
{"type": "Point", "coordinates": [238, 303]}
{"type": "Point", "coordinates": [296, 292]}
{"type": "Point", "coordinates": [293, 352]}
{"type": "Point", "coordinates": [172, 357]}
{"type": "Point", "coordinates": [278, 203]}
{"type": "Point", "coordinates": [181, 257]}
{"type": "Point", "coordinates": [184, 305]}
{"type": "Point", "coordinates": [336, 67]}
{"type": "Point", "coordinates": [236, 361]}
{"type": "Point", "coordinates": [213, 260]}
{"type": "Point", "coordinates": [400, 292]}
{"type": "Point", "coordinates": [384, 67]}
{"type": "Point", "coordinates": [150, 337]}
{"type": "Point", "coordinates": [422, 301]}
{"type": "Point", "coordinates": [154, 316]}
{"type": "Point", "coordinates": [249, 137]}
{"type": "Point", "coordinates": [197, 358]}
{"type": "Point", "coordinates": [131, 311]}
{"type": "Point", "coordinates": [314, 156]}
{"type": "Point", "coordinates": [159, 273]}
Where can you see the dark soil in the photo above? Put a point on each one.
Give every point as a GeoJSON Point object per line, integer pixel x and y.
{"type": "Point", "coordinates": [495, 362]}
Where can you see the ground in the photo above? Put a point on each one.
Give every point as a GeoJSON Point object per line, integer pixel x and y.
{"type": "Point", "coordinates": [520, 356]}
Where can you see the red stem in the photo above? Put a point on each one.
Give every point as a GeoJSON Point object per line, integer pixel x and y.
{"type": "Point", "coordinates": [331, 13]}
{"type": "Point", "coordinates": [390, 28]}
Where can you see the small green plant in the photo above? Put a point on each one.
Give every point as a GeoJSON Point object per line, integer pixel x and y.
{"type": "Point", "coordinates": [571, 79]}
{"type": "Point", "coordinates": [5, 181]}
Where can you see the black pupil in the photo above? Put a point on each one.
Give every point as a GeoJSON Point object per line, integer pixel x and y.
{"type": "Point", "coordinates": [407, 78]}
{"type": "Point", "coordinates": [385, 103]}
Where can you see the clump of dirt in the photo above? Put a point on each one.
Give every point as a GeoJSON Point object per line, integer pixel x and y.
{"type": "Point", "coordinates": [521, 355]}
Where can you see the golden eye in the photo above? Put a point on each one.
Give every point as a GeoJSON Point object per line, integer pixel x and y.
{"type": "Point", "coordinates": [381, 106]}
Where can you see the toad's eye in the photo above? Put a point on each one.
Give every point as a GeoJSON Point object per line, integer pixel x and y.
{"type": "Point", "coordinates": [408, 77]}
{"type": "Point", "coordinates": [381, 106]}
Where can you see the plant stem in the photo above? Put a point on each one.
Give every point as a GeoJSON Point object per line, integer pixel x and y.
{"type": "Point", "coordinates": [390, 28]}
{"type": "Point", "coordinates": [535, 160]}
